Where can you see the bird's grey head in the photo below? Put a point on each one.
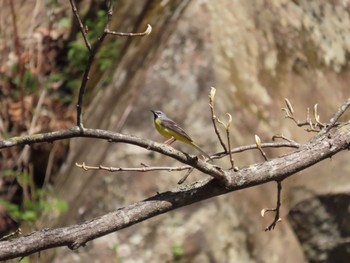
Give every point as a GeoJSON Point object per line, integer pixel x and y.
{"type": "Point", "coordinates": [158, 114]}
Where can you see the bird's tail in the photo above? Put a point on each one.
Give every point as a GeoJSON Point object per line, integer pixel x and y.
{"type": "Point", "coordinates": [201, 151]}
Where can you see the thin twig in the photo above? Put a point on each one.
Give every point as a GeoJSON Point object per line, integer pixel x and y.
{"type": "Point", "coordinates": [277, 136]}
{"type": "Point", "coordinates": [37, 110]}
{"type": "Point", "coordinates": [337, 115]}
{"type": "Point", "coordinates": [314, 127]}
{"type": "Point", "coordinates": [214, 118]}
{"type": "Point", "coordinates": [24, 155]}
{"type": "Point", "coordinates": [133, 169]}
{"type": "Point", "coordinates": [254, 146]}
{"type": "Point", "coordinates": [16, 233]}
{"type": "Point", "coordinates": [82, 28]}
{"type": "Point", "coordinates": [50, 163]}
{"type": "Point", "coordinates": [258, 145]}
{"type": "Point", "coordinates": [93, 51]}
{"type": "Point", "coordinates": [298, 123]}
{"type": "Point", "coordinates": [183, 179]}
{"type": "Point", "coordinates": [227, 128]}
{"type": "Point", "coordinates": [92, 54]}
{"type": "Point", "coordinates": [123, 34]}
{"type": "Point", "coordinates": [276, 210]}
{"type": "Point", "coordinates": [317, 117]}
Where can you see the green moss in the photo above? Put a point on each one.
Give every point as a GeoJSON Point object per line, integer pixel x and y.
{"type": "Point", "coordinates": [177, 252]}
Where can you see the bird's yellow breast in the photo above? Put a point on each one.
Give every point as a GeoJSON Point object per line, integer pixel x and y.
{"type": "Point", "coordinates": [168, 133]}
{"type": "Point", "coordinates": [162, 130]}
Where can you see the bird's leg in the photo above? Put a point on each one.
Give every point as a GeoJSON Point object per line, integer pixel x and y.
{"type": "Point", "coordinates": [170, 141]}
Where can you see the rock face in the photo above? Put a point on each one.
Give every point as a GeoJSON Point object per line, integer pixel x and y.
{"type": "Point", "coordinates": [256, 53]}
{"type": "Point", "coordinates": [321, 225]}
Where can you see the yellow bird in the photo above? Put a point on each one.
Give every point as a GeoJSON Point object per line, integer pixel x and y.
{"type": "Point", "coordinates": [172, 131]}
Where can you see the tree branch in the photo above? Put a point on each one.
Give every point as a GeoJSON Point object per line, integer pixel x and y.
{"type": "Point", "coordinates": [81, 26]}
{"type": "Point", "coordinates": [118, 137]}
{"type": "Point", "coordinates": [214, 117]}
{"type": "Point", "coordinates": [337, 115]}
{"type": "Point", "coordinates": [142, 169]}
{"type": "Point", "coordinates": [320, 147]}
{"type": "Point", "coordinates": [254, 146]}
{"type": "Point", "coordinates": [276, 210]}
{"type": "Point", "coordinates": [93, 51]}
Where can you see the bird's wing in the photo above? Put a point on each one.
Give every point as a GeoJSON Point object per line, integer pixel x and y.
{"type": "Point", "coordinates": [171, 125]}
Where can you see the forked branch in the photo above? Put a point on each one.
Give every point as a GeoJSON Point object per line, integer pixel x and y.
{"type": "Point", "coordinates": [314, 126]}
{"type": "Point", "coordinates": [94, 49]}
{"type": "Point", "coordinates": [276, 210]}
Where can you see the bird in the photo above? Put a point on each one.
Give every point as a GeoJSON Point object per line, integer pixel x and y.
{"type": "Point", "coordinates": [172, 131]}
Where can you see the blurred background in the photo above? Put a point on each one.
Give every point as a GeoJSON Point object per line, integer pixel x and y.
{"type": "Point", "coordinates": [255, 53]}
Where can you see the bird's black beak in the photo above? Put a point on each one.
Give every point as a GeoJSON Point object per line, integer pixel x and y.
{"type": "Point", "coordinates": [154, 113]}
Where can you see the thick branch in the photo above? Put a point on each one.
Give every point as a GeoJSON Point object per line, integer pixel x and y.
{"type": "Point", "coordinates": [118, 137]}
{"type": "Point", "coordinates": [317, 149]}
